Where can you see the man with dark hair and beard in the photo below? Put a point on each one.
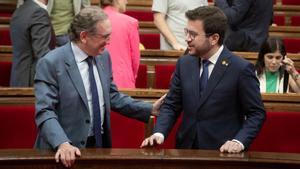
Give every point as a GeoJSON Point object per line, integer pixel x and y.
{"type": "Point", "coordinates": [216, 91]}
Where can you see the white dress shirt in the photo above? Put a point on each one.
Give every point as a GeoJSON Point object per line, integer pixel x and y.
{"type": "Point", "coordinates": [80, 58]}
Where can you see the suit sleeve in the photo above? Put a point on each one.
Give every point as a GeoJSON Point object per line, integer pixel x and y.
{"type": "Point", "coordinates": [41, 33]}
{"type": "Point", "coordinates": [172, 106]}
{"type": "Point", "coordinates": [252, 106]}
{"type": "Point", "coordinates": [236, 11]}
{"type": "Point", "coordinates": [126, 105]}
{"type": "Point", "coordinates": [46, 94]}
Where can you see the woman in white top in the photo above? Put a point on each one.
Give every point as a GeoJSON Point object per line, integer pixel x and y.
{"type": "Point", "coordinates": [276, 72]}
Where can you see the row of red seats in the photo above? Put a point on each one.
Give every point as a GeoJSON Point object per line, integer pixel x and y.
{"type": "Point", "coordinates": [18, 129]}
{"type": "Point", "coordinates": [279, 133]}
{"type": "Point", "coordinates": [5, 69]}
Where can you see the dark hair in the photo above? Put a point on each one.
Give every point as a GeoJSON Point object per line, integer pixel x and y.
{"type": "Point", "coordinates": [270, 45]}
{"type": "Point", "coordinates": [86, 20]}
{"type": "Point", "coordinates": [214, 20]}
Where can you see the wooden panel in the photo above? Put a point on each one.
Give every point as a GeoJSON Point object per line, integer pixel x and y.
{"type": "Point", "coordinates": [273, 102]}
{"type": "Point", "coordinates": [150, 159]}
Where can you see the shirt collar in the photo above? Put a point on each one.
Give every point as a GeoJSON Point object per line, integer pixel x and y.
{"type": "Point", "coordinates": [79, 54]}
{"type": "Point", "coordinates": [40, 4]}
{"type": "Point", "coordinates": [214, 58]}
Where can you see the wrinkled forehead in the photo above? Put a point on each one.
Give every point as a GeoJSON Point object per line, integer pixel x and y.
{"type": "Point", "coordinates": [104, 27]}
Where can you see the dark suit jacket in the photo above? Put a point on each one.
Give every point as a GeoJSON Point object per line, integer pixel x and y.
{"type": "Point", "coordinates": [232, 93]}
{"type": "Point", "coordinates": [249, 22]}
{"type": "Point", "coordinates": [62, 113]}
{"type": "Point", "coordinates": [31, 35]}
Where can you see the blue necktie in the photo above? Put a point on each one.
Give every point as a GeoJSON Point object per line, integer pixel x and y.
{"type": "Point", "coordinates": [204, 75]}
{"type": "Point", "coordinates": [95, 104]}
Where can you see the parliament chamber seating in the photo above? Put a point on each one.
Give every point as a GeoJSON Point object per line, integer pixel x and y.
{"type": "Point", "coordinates": [17, 126]}
{"type": "Point", "coordinates": [280, 133]}
{"type": "Point", "coordinates": [140, 15]}
{"type": "Point", "coordinates": [142, 77]}
{"type": "Point", "coordinates": [292, 45]}
{"type": "Point", "coordinates": [279, 20]}
{"type": "Point", "coordinates": [163, 75]}
{"type": "Point", "coordinates": [18, 129]}
{"type": "Point", "coordinates": [5, 69]}
{"type": "Point", "coordinates": [290, 2]}
{"type": "Point", "coordinates": [295, 20]}
{"type": "Point", "coordinates": [150, 41]}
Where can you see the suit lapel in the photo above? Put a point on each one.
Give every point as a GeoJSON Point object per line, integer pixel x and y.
{"type": "Point", "coordinates": [99, 64]}
{"type": "Point", "coordinates": [74, 73]}
{"type": "Point", "coordinates": [220, 68]}
{"type": "Point", "coordinates": [195, 72]}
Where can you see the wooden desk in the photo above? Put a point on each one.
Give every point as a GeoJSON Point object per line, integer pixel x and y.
{"type": "Point", "coordinates": [273, 102]}
{"type": "Point", "coordinates": [150, 159]}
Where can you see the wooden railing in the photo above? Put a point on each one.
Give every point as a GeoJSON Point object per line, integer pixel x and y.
{"type": "Point", "coordinates": [150, 159]}
{"type": "Point", "coordinates": [157, 57]}
{"type": "Point", "coordinates": [273, 102]}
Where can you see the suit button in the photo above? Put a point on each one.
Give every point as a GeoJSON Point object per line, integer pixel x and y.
{"type": "Point", "coordinates": [82, 142]}
{"type": "Point", "coordinates": [87, 121]}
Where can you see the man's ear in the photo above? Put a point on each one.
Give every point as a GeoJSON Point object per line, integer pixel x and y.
{"type": "Point", "coordinates": [83, 37]}
{"type": "Point", "coordinates": [214, 39]}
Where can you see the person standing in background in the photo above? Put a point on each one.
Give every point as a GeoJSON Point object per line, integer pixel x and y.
{"type": "Point", "coordinates": [32, 37]}
{"type": "Point", "coordinates": [170, 20]}
{"type": "Point", "coordinates": [124, 43]}
{"type": "Point", "coordinates": [62, 13]}
{"type": "Point", "coordinates": [248, 21]}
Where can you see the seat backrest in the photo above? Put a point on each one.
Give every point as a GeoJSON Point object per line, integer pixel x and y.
{"type": "Point", "coordinates": [280, 133]}
{"type": "Point", "coordinates": [140, 15]}
{"type": "Point", "coordinates": [17, 126]}
{"type": "Point", "coordinates": [290, 2]}
{"type": "Point", "coordinates": [126, 132]}
{"type": "Point", "coordinates": [279, 20]}
{"type": "Point", "coordinates": [295, 20]}
{"type": "Point", "coordinates": [163, 75]}
{"type": "Point", "coordinates": [292, 45]}
{"type": "Point", "coordinates": [5, 37]}
{"type": "Point", "coordinates": [150, 41]}
{"type": "Point", "coordinates": [142, 77]}
{"type": "Point", "coordinates": [5, 69]}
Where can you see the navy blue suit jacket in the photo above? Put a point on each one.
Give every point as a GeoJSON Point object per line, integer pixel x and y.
{"type": "Point", "coordinates": [230, 108]}
{"type": "Point", "coordinates": [249, 22]}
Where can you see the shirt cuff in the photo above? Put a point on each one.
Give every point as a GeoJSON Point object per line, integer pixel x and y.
{"type": "Point", "coordinates": [237, 141]}
{"type": "Point", "coordinates": [159, 135]}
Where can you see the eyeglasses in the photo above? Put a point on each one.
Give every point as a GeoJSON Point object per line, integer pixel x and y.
{"type": "Point", "coordinates": [192, 34]}
{"type": "Point", "coordinates": [104, 36]}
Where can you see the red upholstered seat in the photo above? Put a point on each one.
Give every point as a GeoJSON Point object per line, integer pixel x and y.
{"type": "Point", "coordinates": [292, 45]}
{"type": "Point", "coordinates": [126, 132]}
{"type": "Point", "coordinates": [280, 133]}
{"type": "Point", "coordinates": [140, 15]}
{"type": "Point", "coordinates": [295, 20]}
{"type": "Point", "coordinates": [5, 37]}
{"type": "Point", "coordinates": [163, 75]}
{"type": "Point", "coordinates": [150, 41]}
{"type": "Point", "coordinates": [279, 20]}
{"type": "Point", "coordinates": [17, 126]}
{"type": "Point", "coordinates": [290, 2]}
{"type": "Point", "coordinates": [5, 69]}
{"type": "Point", "coordinates": [142, 77]}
